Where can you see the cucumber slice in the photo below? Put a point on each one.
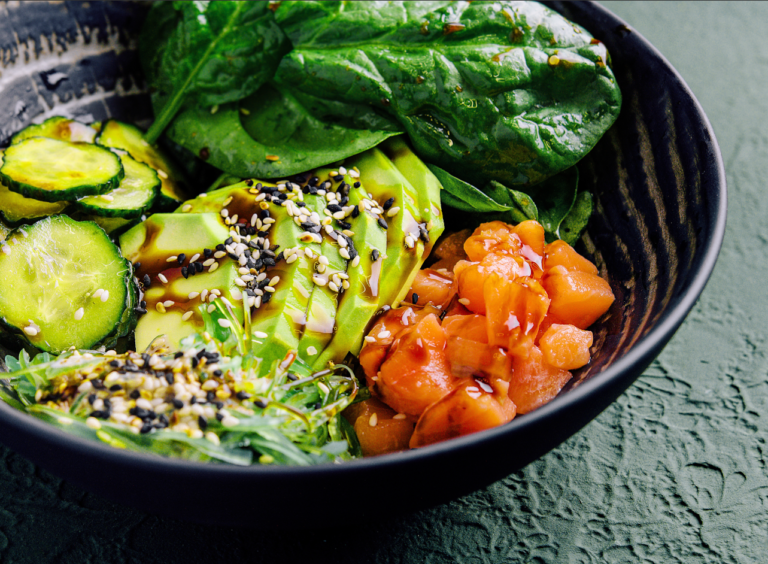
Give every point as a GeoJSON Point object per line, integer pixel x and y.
{"type": "Point", "coordinates": [52, 170]}
{"type": "Point", "coordinates": [114, 226]}
{"type": "Point", "coordinates": [15, 208]}
{"type": "Point", "coordinates": [130, 138]}
{"type": "Point", "coordinates": [135, 194]}
{"type": "Point", "coordinates": [57, 127]}
{"type": "Point", "coordinates": [49, 291]}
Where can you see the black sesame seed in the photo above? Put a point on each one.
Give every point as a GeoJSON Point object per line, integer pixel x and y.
{"type": "Point", "coordinates": [356, 211]}
{"type": "Point", "coordinates": [259, 186]}
{"type": "Point", "coordinates": [325, 186]}
{"type": "Point", "coordinates": [181, 258]}
{"type": "Point", "coordinates": [375, 254]}
{"type": "Point", "coordinates": [210, 396]}
{"type": "Point", "coordinates": [233, 256]}
{"type": "Point", "coordinates": [318, 405]}
{"type": "Point", "coordinates": [98, 384]}
{"type": "Point", "coordinates": [442, 315]}
{"type": "Point", "coordinates": [142, 303]}
{"type": "Point", "coordinates": [253, 244]}
{"type": "Point", "coordinates": [217, 373]}
{"type": "Point", "coordinates": [388, 203]}
{"type": "Point", "coordinates": [199, 267]}
{"type": "Point", "coordinates": [383, 223]}
{"type": "Point", "coordinates": [338, 178]}
{"type": "Point", "coordinates": [146, 280]}
{"type": "Point", "coordinates": [114, 363]}
{"type": "Point", "coordinates": [139, 412]}
{"type": "Point", "coordinates": [162, 422]}
{"type": "Point", "coordinates": [219, 404]}
{"type": "Point", "coordinates": [260, 403]}
{"type": "Point", "coordinates": [91, 398]}
{"type": "Point", "coordinates": [344, 224]}
{"type": "Point", "coordinates": [228, 241]}
{"type": "Point", "coordinates": [333, 208]}
{"type": "Point", "coordinates": [423, 234]}
{"type": "Point", "coordinates": [219, 247]}
{"type": "Point", "coordinates": [344, 201]}
{"type": "Point", "coordinates": [194, 361]}
{"type": "Point", "coordinates": [269, 262]}
{"type": "Point", "coordinates": [415, 298]}
{"type": "Point", "coordinates": [266, 297]}
{"type": "Point", "coordinates": [115, 387]}
{"type": "Point", "coordinates": [242, 395]}
{"type": "Point", "coordinates": [313, 190]}
{"type": "Point", "coordinates": [178, 404]}
{"type": "Point", "coordinates": [135, 394]}
{"type": "Point", "coordinates": [169, 377]}
{"type": "Point", "coordinates": [357, 185]}
{"type": "Point", "coordinates": [136, 265]}
{"type": "Point", "coordinates": [292, 377]}
{"type": "Point", "coordinates": [146, 428]}
{"type": "Point", "coordinates": [280, 257]}
{"type": "Point", "coordinates": [178, 354]}
{"type": "Point", "coordinates": [219, 416]}
{"type": "Point", "coordinates": [151, 415]}
{"type": "Point", "coordinates": [249, 182]}
{"type": "Point", "coordinates": [207, 253]}
{"type": "Point", "coordinates": [185, 272]}
{"type": "Point", "coordinates": [100, 414]}
{"type": "Point", "coordinates": [193, 400]}
{"type": "Point", "coordinates": [301, 204]}
{"type": "Point", "coordinates": [202, 422]}
{"type": "Point", "coordinates": [313, 181]}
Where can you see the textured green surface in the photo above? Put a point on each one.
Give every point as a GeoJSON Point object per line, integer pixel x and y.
{"type": "Point", "coordinates": [674, 471]}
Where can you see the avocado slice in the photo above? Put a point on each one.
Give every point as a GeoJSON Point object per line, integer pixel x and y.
{"type": "Point", "coordinates": [324, 300]}
{"type": "Point", "coordinates": [167, 234]}
{"type": "Point", "coordinates": [283, 318]}
{"type": "Point", "coordinates": [361, 301]}
{"type": "Point", "coordinates": [428, 188]}
{"type": "Point", "coordinates": [405, 250]}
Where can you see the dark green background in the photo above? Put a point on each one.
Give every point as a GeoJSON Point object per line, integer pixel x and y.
{"type": "Point", "coordinates": [674, 471]}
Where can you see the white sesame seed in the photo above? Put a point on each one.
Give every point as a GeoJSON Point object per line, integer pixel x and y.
{"type": "Point", "coordinates": [260, 334]}
{"type": "Point", "coordinates": [383, 334]}
{"type": "Point", "coordinates": [194, 258]}
{"type": "Point", "coordinates": [409, 242]}
{"type": "Point", "coordinates": [345, 285]}
{"type": "Point", "coordinates": [339, 215]}
{"type": "Point", "coordinates": [31, 331]}
{"type": "Point", "coordinates": [260, 197]}
{"type": "Point", "coordinates": [323, 260]}
{"type": "Point", "coordinates": [6, 249]}
{"type": "Point", "coordinates": [321, 268]}
{"type": "Point", "coordinates": [226, 202]}
{"type": "Point", "coordinates": [342, 170]}
{"type": "Point", "coordinates": [225, 213]}
{"type": "Point", "coordinates": [162, 278]}
{"type": "Point", "coordinates": [240, 282]}
{"type": "Point", "coordinates": [274, 280]}
{"type": "Point", "coordinates": [291, 259]}
{"type": "Point", "coordinates": [334, 287]}
{"type": "Point", "coordinates": [79, 314]}
{"type": "Point", "coordinates": [93, 423]}
{"type": "Point", "coordinates": [193, 295]}
{"type": "Point", "coordinates": [344, 253]}
{"type": "Point", "coordinates": [187, 315]}
{"type": "Point", "coordinates": [224, 323]}
{"type": "Point", "coordinates": [369, 339]}
{"type": "Point", "coordinates": [214, 266]}
{"type": "Point", "coordinates": [211, 298]}
{"type": "Point", "coordinates": [97, 294]}
{"type": "Point", "coordinates": [399, 416]}
{"type": "Point", "coordinates": [169, 303]}
{"type": "Point", "coordinates": [209, 385]}
{"type": "Point", "coordinates": [373, 420]}
{"type": "Point", "coordinates": [464, 301]}
{"type": "Point", "coordinates": [173, 258]}
{"type": "Point", "coordinates": [204, 295]}
{"type": "Point", "coordinates": [269, 289]}
{"type": "Point", "coordinates": [230, 421]}
{"type": "Point", "coordinates": [237, 295]}
{"type": "Point", "coordinates": [355, 261]}
{"type": "Point", "coordinates": [162, 174]}
{"type": "Point", "coordinates": [186, 208]}
{"type": "Point", "coordinates": [107, 197]}
{"type": "Point", "coordinates": [393, 211]}
{"type": "Point", "coordinates": [210, 435]}
{"type": "Point", "coordinates": [311, 351]}
{"type": "Point", "coordinates": [143, 404]}
{"type": "Point", "coordinates": [354, 174]}
{"type": "Point", "coordinates": [319, 280]}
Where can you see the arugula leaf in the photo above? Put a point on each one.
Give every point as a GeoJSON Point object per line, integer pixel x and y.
{"type": "Point", "coordinates": [508, 91]}
{"type": "Point", "coordinates": [216, 52]}
{"type": "Point", "coordinates": [244, 139]}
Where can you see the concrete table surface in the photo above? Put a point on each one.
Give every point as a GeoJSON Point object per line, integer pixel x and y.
{"type": "Point", "coordinates": [674, 471]}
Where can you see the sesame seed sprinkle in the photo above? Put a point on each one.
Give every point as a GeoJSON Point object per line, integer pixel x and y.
{"type": "Point", "coordinates": [369, 339]}
{"type": "Point", "coordinates": [79, 314]}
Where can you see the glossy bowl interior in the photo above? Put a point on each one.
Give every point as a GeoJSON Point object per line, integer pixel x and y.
{"type": "Point", "coordinates": [661, 199]}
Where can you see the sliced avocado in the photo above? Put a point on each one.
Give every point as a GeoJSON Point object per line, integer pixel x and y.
{"type": "Point", "coordinates": [361, 301]}
{"type": "Point", "coordinates": [169, 234]}
{"type": "Point", "coordinates": [427, 185]}
{"type": "Point", "coordinates": [324, 301]}
{"type": "Point", "coordinates": [282, 319]}
{"type": "Point", "coordinates": [405, 250]}
{"type": "Point", "coordinates": [179, 290]}
{"type": "Point", "coordinates": [242, 199]}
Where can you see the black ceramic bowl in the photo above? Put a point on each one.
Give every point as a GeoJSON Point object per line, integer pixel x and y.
{"type": "Point", "coordinates": [661, 203]}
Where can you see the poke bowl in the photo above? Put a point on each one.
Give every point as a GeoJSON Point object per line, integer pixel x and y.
{"type": "Point", "coordinates": [659, 192]}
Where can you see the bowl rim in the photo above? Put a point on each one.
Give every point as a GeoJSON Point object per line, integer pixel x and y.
{"type": "Point", "coordinates": [646, 347]}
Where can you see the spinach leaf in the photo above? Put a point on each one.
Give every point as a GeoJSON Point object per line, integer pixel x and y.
{"type": "Point", "coordinates": [501, 90]}
{"type": "Point", "coordinates": [576, 220]}
{"type": "Point", "coordinates": [268, 135]}
{"type": "Point", "coordinates": [216, 52]}
{"type": "Point", "coordinates": [555, 198]}
{"type": "Point", "coordinates": [463, 196]}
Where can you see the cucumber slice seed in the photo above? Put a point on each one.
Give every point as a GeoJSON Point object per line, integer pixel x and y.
{"type": "Point", "coordinates": [135, 194]}
{"type": "Point", "coordinates": [52, 170]}
{"type": "Point", "coordinates": [55, 268]}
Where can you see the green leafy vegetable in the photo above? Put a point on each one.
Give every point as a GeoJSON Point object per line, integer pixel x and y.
{"type": "Point", "coordinates": [463, 196]}
{"type": "Point", "coordinates": [271, 135]}
{"type": "Point", "coordinates": [212, 52]}
{"type": "Point", "coordinates": [509, 91]}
